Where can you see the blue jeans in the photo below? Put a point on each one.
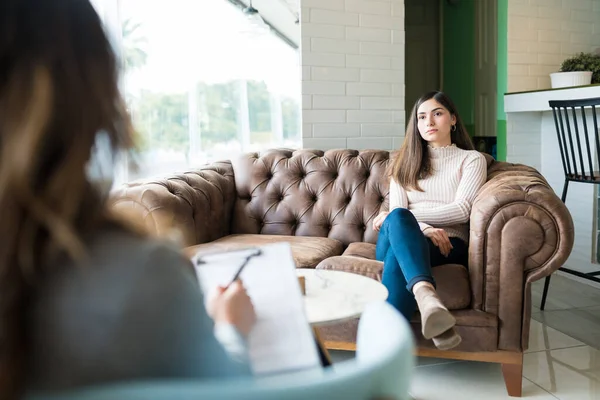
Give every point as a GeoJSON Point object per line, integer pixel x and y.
{"type": "Point", "coordinates": [408, 256]}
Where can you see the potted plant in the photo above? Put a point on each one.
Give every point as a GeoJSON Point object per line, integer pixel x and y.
{"type": "Point", "coordinates": [581, 69]}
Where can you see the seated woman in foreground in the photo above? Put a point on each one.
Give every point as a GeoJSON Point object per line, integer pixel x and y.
{"type": "Point", "coordinates": [83, 298]}
{"type": "Point", "coordinates": [433, 185]}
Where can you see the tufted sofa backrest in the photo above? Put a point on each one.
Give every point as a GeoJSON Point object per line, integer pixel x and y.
{"type": "Point", "coordinates": [333, 194]}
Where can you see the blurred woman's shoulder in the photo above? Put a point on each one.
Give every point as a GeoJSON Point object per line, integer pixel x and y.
{"type": "Point", "coordinates": [132, 296]}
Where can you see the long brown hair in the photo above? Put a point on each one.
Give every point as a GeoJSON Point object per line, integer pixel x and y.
{"type": "Point", "coordinates": [413, 161]}
{"type": "Point", "coordinates": [58, 89]}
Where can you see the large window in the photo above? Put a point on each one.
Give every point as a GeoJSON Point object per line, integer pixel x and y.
{"type": "Point", "coordinates": [201, 82]}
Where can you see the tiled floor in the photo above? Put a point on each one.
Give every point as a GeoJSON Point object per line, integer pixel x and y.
{"type": "Point", "coordinates": [563, 360]}
{"type": "Point", "coordinates": [572, 308]}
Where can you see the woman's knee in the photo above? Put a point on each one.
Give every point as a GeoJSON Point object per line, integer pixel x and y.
{"type": "Point", "coordinates": [399, 216]}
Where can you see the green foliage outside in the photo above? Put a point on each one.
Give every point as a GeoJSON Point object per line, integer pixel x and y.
{"type": "Point", "coordinates": [291, 118]}
{"type": "Point", "coordinates": [161, 119]}
{"type": "Point", "coordinates": [134, 55]}
{"type": "Point", "coordinates": [259, 107]}
{"type": "Point", "coordinates": [583, 62]}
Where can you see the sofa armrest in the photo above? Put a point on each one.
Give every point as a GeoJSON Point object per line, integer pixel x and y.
{"type": "Point", "coordinates": [197, 205]}
{"type": "Point", "coordinates": [520, 232]}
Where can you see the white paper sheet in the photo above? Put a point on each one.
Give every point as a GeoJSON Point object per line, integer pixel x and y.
{"type": "Point", "coordinates": [282, 339]}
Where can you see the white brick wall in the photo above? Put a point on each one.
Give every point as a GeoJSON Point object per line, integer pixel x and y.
{"type": "Point", "coordinates": [523, 139]}
{"type": "Point", "coordinates": [542, 33]}
{"type": "Point", "coordinates": [353, 74]}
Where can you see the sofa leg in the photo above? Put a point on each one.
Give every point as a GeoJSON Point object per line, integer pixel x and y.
{"type": "Point", "coordinates": [513, 378]}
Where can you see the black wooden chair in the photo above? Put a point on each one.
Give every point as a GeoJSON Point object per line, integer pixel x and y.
{"type": "Point", "coordinates": [577, 154]}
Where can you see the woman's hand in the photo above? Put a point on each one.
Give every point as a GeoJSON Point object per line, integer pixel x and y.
{"type": "Point", "coordinates": [440, 238]}
{"type": "Point", "coordinates": [378, 220]}
{"type": "Point", "coordinates": [233, 306]}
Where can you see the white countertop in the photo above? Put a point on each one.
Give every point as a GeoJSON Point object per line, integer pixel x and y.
{"type": "Point", "coordinates": [538, 100]}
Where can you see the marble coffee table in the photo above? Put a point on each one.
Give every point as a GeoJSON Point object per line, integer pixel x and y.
{"type": "Point", "coordinates": [336, 296]}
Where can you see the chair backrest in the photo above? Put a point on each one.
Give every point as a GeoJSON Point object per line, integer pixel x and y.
{"type": "Point", "coordinates": [577, 140]}
{"type": "Point", "coordinates": [381, 370]}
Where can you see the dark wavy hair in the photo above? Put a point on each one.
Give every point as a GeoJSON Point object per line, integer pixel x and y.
{"type": "Point", "coordinates": [58, 89]}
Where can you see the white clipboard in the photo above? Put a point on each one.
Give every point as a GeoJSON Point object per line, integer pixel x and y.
{"type": "Point", "coordinates": [282, 339]}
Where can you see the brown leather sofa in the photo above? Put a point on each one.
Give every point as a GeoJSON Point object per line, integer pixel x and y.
{"type": "Point", "coordinates": [324, 203]}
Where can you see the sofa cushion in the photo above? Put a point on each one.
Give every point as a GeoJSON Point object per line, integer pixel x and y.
{"type": "Point", "coordinates": [361, 249]}
{"type": "Point", "coordinates": [453, 285]}
{"type": "Point", "coordinates": [452, 280]}
{"type": "Point", "coordinates": [357, 265]}
{"type": "Point", "coordinates": [307, 251]}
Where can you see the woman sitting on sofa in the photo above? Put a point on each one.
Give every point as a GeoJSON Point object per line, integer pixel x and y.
{"type": "Point", "coordinates": [433, 185]}
{"type": "Point", "coordinates": [83, 298]}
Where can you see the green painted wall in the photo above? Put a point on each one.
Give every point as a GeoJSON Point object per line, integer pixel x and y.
{"type": "Point", "coordinates": [502, 77]}
{"type": "Point", "coordinates": [458, 55]}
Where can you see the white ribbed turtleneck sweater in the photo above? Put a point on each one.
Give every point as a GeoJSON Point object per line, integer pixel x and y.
{"type": "Point", "coordinates": [448, 193]}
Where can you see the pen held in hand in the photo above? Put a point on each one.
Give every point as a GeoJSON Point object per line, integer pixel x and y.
{"type": "Point", "coordinates": [258, 252]}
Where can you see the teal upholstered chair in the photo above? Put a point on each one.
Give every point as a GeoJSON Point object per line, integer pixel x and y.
{"type": "Point", "coordinates": [382, 369]}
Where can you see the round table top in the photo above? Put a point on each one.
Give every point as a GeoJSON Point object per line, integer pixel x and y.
{"type": "Point", "coordinates": [337, 296]}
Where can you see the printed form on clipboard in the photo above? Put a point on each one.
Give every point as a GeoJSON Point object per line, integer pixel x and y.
{"type": "Point", "coordinates": [282, 339]}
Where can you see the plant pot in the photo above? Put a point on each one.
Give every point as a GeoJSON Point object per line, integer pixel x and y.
{"type": "Point", "coordinates": [567, 79]}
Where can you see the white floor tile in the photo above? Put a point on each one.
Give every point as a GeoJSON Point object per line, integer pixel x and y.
{"type": "Point", "coordinates": [572, 373]}
{"type": "Point", "coordinates": [467, 380]}
{"type": "Point", "coordinates": [542, 337]}
{"type": "Point", "coordinates": [582, 324]}
{"type": "Point", "coordinates": [564, 293]}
